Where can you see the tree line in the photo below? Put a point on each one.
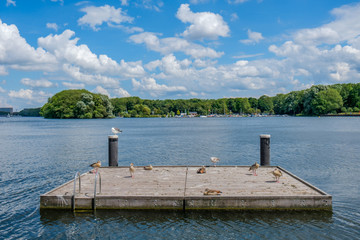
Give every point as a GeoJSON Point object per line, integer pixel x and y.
{"type": "Point", "coordinates": [317, 100]}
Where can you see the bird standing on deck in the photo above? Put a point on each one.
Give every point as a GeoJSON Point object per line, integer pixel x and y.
{"type": "Point", "coordinates": [95, 166]}
{"type": "Point", "coordinates": [214, 160]}
{"type": "Point", "coordinates": [201, 170]}
{"type": "Point", "coordinates": [115, 130]}
{"type": "Point", "coordinates": [150, 167]}
{"type": "Point", "coordinates": [277, 173]}
{"type": "Point", "coordinates": [132, 170]}
{"type": "Point", "coordinates": [212, 192]}
{"type": "Point", "coordinates": [254, 167]}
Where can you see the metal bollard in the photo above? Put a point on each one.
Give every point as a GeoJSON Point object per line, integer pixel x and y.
{"type": "Point", "coordinates": [265, 150]}
{"type": "Point", "coordinates": [113, 150]}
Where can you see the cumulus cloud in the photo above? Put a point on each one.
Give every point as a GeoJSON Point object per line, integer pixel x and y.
{"type": "Point", "coordinates": [2, 90]}
{"type": "Point", "coordinates": [203, 25]}
{"type": "Point", "coordinates": [3, 71]}
{"type": "Point", "coordinates": [120, 92]}
{"type": "Point", "coordinates": [150, 86]}
{"type": "Point", "coordinates": [66, 50]}
{"type": "Point", "coordinates": [16, 53]}
{"type": "Point", "coordinates": [253, 37]}
{"type": "Point", "coordinates": [37, 83]}
{"type": "Point", "coordinates": [174, 44]}
{"type": "Point", "coordinates": [101, 90]}
{"type": "Point", "coordinates": [88, 78]}
{"type": "Point", "coordinates": [52, 26]}
{"type": "Point", "coordinates": [22, 93]}
{"type": "Point", "coordinates": [74, 85]}
{"type": "Point", "coordinates": [96, 16]}
{"type": "Point", "coordinates": [328, 53]}
{"type": "Point", "coordinates": [10, 2]}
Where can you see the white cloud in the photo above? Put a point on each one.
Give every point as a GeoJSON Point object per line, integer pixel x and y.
{"type": "Point", "coordinates": [101, 90]}
{"type": "Point", "coordinates": [120, 92]}
{"type": "Point", "coordinates": [198, 1]}
{"type": "Point", "coordinates": [67, 51]}
{"type": "Point", "coordinates": [253, 37]}
{"type": "Point", "coordinates": [150, 4]}
{"type": "Point", "coordinates": [37, 83]}
{"type": "Point", "coordinates": [2, 90]}
{"type": "Point", "coordinates": [234, 17]}
{"type": "Point", "coordinates": [173, 44]}
{"type": "Point", "coordinates": [150, 86]}
{"type": "Point", "coordinates": [16, 53]}
{"type": "Point", "coordinates": [52, 26]}
{"type": "Point", "coordinates": [237, 1]}
{"type": "Point", "coordinates": [89, 79]}
{"type": "Point", "coordinates": [96, 16]}
{"type": "Point", "coordinates": [124, 2]}
{"type": "Point", "coordinates": [22, 93]}
{"type": "Point", "coordinates": [74, 85]}
{"type": "Point", "coordinates": [10, 2]}
{"type": "Point", "coordinates": [3, 71]}
{"type": "Point", "coordinates": [60, 1]}
{"type": "Point", "coordinates": [203, 25]}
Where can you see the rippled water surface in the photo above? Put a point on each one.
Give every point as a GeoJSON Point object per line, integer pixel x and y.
{"type": "Point", "coordinates": [37, 155]}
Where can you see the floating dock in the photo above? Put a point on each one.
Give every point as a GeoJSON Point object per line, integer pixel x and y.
{"type": "Point", "coordinates": [181, 188]}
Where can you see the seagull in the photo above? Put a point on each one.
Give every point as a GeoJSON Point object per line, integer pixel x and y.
{"type": "Point", "coordinates": [116, 130]}
{"type": "Point", "coordinates": [132, 170]}
{"type": "Point", "coordinates": [214, 160]}
{"type": "Point", "coordinates": [212, 192]}
{"type": "Point", "coordinates": [277, 173]}
{"type": "Point", "coordinates": [254, 167]}
{"type": "Point", "coordinates": [148, 167]}
{"type": "Point", "coordinates": [201, 170]}
{"type": "Point", "coordinates": [96, 166]}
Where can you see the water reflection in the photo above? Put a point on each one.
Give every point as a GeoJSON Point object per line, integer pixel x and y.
{"type": "Point", "coordinates": [160, 224]}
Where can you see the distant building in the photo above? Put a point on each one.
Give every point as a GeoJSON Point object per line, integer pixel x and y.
{"type": "Point", "coordinates": [193, 114]}
{"type": "Point", "coordinates": [7, 109]}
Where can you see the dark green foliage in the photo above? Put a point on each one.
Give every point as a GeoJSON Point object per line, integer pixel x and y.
{"type": "Point", "coordinates": [77, 104]}
{"type": "Point", "coordinates": [317, 100]}
{"type": "Point", "coordinates": [30, 112]}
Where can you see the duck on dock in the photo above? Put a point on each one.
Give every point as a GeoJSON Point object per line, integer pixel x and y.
{"type": "Point", "coordinates": [132, 170]}
{"type": "Point", "coordinates": [148, 167]}
{"type": "Point", "coordinates": [201, 170]}
{"type": "Point", "coordinates": [214, 160]}
{"type": "Point", "coordinates": [277, 173]}
{"type": "Point", "coordinates": [254, 167]}
{"type": "Point", "coordinates": [95, 166]}
{"type": "Point", "coordinates": [212, 192]}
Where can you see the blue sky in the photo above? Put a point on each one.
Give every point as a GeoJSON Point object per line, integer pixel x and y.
{"type": "Point", "coordinates": [158, 49]}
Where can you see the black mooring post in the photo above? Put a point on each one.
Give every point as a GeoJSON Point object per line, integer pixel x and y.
{"type": "Point", "coordinates": [265, 150]}
{"type": "Point", "coordinates": [113, 151]}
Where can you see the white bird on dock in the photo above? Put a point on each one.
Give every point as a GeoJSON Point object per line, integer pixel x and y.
{"type": "Point", "coordinates": [214, 160]}
{"type": "Point", "coordinates": [95, 166]}
{"type": "Point", "coordinates": [277, 173]}
{"type": "Point", "coordinates": [132, 170]}
{"type": "Point", "coordinates": [254, 167]}
{"type": "Point", "coordinates": [116, 130]}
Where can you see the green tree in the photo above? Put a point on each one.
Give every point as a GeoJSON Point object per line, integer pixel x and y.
{"type": "Point", "coordinates": [327, 101]}
{"type": "Point", "coordinates": [265, 104]}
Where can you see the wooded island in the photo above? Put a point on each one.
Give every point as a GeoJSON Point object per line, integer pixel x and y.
{"type": "Point", "coordinates": [317, 100]}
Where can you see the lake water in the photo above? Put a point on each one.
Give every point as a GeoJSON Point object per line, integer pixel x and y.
{"type": "Point", "coordinates": [37, 155]}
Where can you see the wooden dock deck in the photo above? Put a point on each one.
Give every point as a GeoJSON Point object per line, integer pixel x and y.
{"type": "Point", "coordinates": [180, 187]}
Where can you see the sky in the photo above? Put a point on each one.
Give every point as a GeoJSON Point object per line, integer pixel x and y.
{"type": "Point", "coordinates": [157, 49]}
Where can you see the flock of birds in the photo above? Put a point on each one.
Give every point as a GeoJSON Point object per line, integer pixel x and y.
{"type": "Point", "coordinates": [276, 172]}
